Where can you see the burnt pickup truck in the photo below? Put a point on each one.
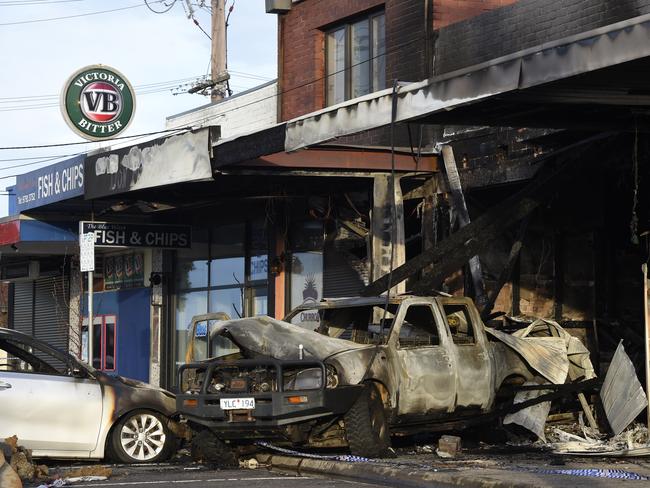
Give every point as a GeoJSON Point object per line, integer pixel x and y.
{"type": "Point", "coordinates": [372, 368]}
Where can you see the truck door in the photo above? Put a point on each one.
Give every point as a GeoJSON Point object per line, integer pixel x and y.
{"type": "Point", "coordinates": [474, 370]}
{"type": "Point", "coordinates": [427, 378]}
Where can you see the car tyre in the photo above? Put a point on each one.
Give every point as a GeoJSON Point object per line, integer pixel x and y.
{"type": "Point", "coordinates": [366, 427]}
{"type": "Point", "coordinates": [208, 448]}
{"type": "Point", "coordinates": [142, 436]}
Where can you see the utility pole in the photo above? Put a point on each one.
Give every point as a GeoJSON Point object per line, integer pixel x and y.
{"type": "Point", "coordinates": [218, 58]}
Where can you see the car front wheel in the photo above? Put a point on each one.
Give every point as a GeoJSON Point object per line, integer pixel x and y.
{"type": "Point", "coordinates": [142, 437]}
{"type": "Point", "coordinates": [366, 427]}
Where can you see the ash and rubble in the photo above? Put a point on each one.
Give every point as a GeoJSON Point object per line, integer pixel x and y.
{"type": "Point", "coordinates": [24, 470]}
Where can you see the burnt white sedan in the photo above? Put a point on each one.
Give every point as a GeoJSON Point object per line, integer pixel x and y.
{"type": "Point", "coordinates": [62, 408]}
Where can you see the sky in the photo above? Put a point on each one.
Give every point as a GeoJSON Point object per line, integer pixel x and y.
{"type": "Point", "coordinates": [43, 42]}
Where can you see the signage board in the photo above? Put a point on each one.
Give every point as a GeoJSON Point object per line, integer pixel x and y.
{"type": "Point", "coordinates": [163, 161]}
{"type": "Point", "coordinates": [50, 184]}
{"type": "Point", "coordinates": [112, 234]}
{"type": "Point", "coordinates": [87, 252]}
{"type": "Point", "coordinates": [98, 102]}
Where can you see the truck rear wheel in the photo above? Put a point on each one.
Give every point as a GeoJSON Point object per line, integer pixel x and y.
{"type": "Point", "coordinates": [366, 427]}
{"type": "Point", "coordinates": [208, 448]}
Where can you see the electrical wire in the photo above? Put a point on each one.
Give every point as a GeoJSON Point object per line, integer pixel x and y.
{"type": "Point", "coordinates": [196, 23]}
{"type": "Point", "coordinates": [143, 89]}
{"type": "Point", "coordinates": [7, 148]}
{"type": "Point", "coordinates": [52, 19]}
{"type": "Point", "coordinates": [21, 3]}
{"type": "Point", "coordinates": [169, 7]}
{"type": "Point", "coordinates": [143, 86]}
{"type": "Point", "coordinates": [259, 100]}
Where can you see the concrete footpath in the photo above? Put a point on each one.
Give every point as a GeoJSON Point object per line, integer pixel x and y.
{"type": "Point", "coordinates": [502, 471]}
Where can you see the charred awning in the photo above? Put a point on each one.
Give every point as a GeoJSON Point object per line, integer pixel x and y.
{"type": "Point", "coordinates": [178, 158]}
{"type": "Point", "coordinates": [597, 79]}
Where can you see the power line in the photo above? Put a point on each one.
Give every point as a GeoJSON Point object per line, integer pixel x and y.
{"type": "Point", "coordinates": [238, 107]}
{"type": "Point", "coordinates": [169, 7]}
{"type": "Point", "coordinates": [140, 89]}
{"type": "Point", "coordinates": [19, 3]}
{"type": "Point", "coordinates": [92, 142]}
{"type": "Point", "coordinates": [42, 159]}
{"type": "Point", "coordinates": [52, 19]}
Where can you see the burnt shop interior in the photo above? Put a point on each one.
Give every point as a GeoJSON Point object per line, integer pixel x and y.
{"type": "Point", "coordinates": [267, 265]}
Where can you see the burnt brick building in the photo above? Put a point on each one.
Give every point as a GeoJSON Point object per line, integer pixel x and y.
{"type": "Point", "coordinates": [401, 44]}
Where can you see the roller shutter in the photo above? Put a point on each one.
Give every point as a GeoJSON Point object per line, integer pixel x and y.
{"type": "Point", "coordinates": [23, 311]}
{"type": "Point", "coordinates": [343, 275]}
{"type": "Point", "coordinates": [41, 310]}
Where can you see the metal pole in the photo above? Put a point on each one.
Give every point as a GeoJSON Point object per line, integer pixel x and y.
{"type": "Point", "coordinates": [90, 318]}
{"type": "Point", "coordinates": [646, 314]}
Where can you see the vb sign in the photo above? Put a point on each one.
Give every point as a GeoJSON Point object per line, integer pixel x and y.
{"type": "Point", "coordinates": [98, 102]}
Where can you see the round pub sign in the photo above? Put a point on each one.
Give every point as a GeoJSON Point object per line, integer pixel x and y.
{"type": "Point", "coordinates": [98, 102]}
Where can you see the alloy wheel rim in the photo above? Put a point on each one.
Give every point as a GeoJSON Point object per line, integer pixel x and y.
{"type": "Point", "coordinates": [143, 437]}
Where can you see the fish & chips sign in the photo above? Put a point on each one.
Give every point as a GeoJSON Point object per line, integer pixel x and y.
{"type": "Point", "coordinates": [110, 234]}
{"type": "Point", "coordinates": [98, 102]}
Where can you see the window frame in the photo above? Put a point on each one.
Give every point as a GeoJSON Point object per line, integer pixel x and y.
{"type": "Point", "coordinates": [100, 320]}
{"type": "Point", "coordinates": [441, 327]}
{"type": "Point", "coordinates": [347, 62]}
{"type": "Point", "coordinates": [471, 324]}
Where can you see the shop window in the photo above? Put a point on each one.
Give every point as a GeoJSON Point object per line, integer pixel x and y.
{"type": "Point", "coordinates": [104, 342]}
{"type": "Point", "coordinates": [306, 271]}
{"type": "Point", "coordinates": [226, 270]}
{"type": "Point", "coordinates": [355, 55]}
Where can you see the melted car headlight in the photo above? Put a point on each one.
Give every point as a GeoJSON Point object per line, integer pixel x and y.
{"type": "Point", "coordinates": [307, 379]}
{"type": "Point", "coordinates": [192, 380]}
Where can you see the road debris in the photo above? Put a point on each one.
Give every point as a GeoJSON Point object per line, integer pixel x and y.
{"type": "Point", "coordinates": [633, 442]}
{"type": "Point", "coordinates": [20, 460]}
{"type": "Point", "coordinates": [251, 463]}
{"type": "Point", "coordinates": [8, 477]}
{"type": "Point", "coordinates": [70, 481]}
{"type": "Point", "coordinates": [448, 446]}
{"type": "Point", "coordinates": [86, 471]}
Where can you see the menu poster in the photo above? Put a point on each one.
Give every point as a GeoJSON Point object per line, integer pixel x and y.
{"type": "Point", "coordinates": [138, 269]}
{"type": "Point", "coordinates": [109, 273]}
{"type": "Point", "coordinates": [119, 271]}
{"type": "Point", "coordinates": [128, 271]}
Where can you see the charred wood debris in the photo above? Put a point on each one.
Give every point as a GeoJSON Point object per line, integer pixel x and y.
{"type": "Point", "coordinates": [594, 416]}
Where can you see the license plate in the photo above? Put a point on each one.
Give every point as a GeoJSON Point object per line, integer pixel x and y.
{"type": "Point", "coordinates": [237, 403]}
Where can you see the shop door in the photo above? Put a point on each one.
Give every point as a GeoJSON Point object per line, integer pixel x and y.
{"type": "Point", "coordinates": [122, 332]}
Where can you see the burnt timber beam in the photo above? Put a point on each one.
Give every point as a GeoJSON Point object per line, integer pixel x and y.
{"type": "Point", "coordinates": [458, 248]}
{"type": "Point", "coordinates": [251, 146]}
{"type": "Point", "coordinates": [461, 214]}
{"type": "Point", "coordinates": [506, 272]}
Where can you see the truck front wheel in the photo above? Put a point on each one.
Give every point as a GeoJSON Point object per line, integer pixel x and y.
{"type": "Point", "coordinates": [208, 448]}
{"type": "Point", "coordinates": [366, 427]}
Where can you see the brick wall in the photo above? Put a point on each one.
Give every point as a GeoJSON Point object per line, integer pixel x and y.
{"type": "Point", "coordinates": [446, 12]}
{"type": "Point", "coordinates": [524, 24]}
{"type": "Point", "coordinates": [302, 47]}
